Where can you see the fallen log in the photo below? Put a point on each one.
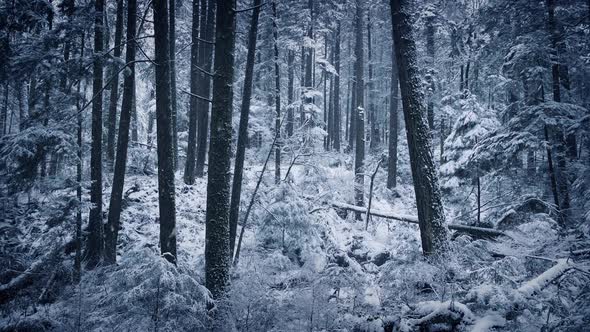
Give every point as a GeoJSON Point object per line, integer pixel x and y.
{"type": "Point", "coordinates": [472, 230]}
{"type": "Point", "coordinates": [9, 290]}
{"type": "Point", "coordinates": [544, 279]}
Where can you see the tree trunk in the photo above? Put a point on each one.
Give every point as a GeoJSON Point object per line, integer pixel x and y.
{"type": "Point", "coordinates": [277, 94]}
{"type": "Point", "coordinates": [4, 114]}
{"type": "Point", "coordinates": [562, 177]}
{"type": "Point", "coordinates": [430, 50]}
{"type": "Point", "coordinates": [374, 134]}
{"type": "Point", "coordinates": [359, 159]}
{"type": "Point", "coordinates": [290, 92]}
{"type": "Point", "coordinates": [308, 82]}
{"type": "Point", "coordinates": [331, 107]}
{"type": "Point", "coordinates": [166, 189]}
{"type": "Point", "coordinates": [336, 98]}
{"type": "Point", "coordinates": [189, 168]}
{"type": "Point", "coordinates": [78, 234]}
{"type": "Point", "coordinates": [243, 128]}
{"type": "Point", "coordinates": [173, 104]}
{"type": "Point", "coordinates": [94, 242]}
{"type": "Point", "coordinates": [217, 248]}
{"type": "Point", "coordinates": [325, 96]}
{"type": "Point", "coordinates": [112, 116]}
{"type": "Point", "coordinates": [134, 127]}
{"type": "Point", "coordinates": [207, 22]}
{"type": "Point", "coordinates": [393, 123]}
{"type": "Point", "coordinates": [113, 224]}
{"type": "Point", "coordinates": [352, 130]}
{"type": "Point", "coordinates": [433, 231]}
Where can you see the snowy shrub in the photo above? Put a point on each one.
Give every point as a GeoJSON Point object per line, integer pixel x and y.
{"type": "Point", "coordinates": [285, 224]}
{"type": "Point", "coordinates": [144, 292]}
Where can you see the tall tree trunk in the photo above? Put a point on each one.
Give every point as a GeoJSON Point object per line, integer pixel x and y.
{"type": "Point", "coordinates": [325, 96]}
{"type": "Point", "coordinates": [278, 146]}
{"type": "Point", "coordinates": [552, 176]}
{"type": "Point", "coordinates": [208, 17]}
{"type": "Point", "coordinates": [173, 104]}
{"type": "Point", "coordinates": [243, 128]}
{"type": "Point", "coordinates": [336, 98]}
{"type": "Point", "coordinates": [4, 114]}
{"type": "Point", "coordinates": [189, 168]}
{"type": "Point", "coordinates": [430, 50]}
{"type": "Point", "coordinates": [217, 246]}
{"type": "Point", "coordinates": [374, 134]}
{"type": "Point", "coordinates": [302, 88]}
{"type": "Point", "coordinates": [352, 130]}
{"type": "Point", "coordinates": [330, 143]}
{"type": "Point", "coordinates": [78, 234]}
{"type": "Point", "coordinates": [290, 92]}
{"type": "Point", "coordinates": [134, 127]}
{"type": "Point", "coordinates": [95, 241]}
{"type": "Point", "coordinates": [166, 189]}
{"type": "Point", "coordinates": [433, 231]}
{"type": "Point", "coordinates": [359, 159]}
{"type": "Point", "coordinates": [308, 82]}
{"type": "Point", "coordinates": [114, 96]}
{"type": "Point", "coordinates": [562, 176]}
{"type": "Point", "coordinates": [467, 76]}
{"type": "Point", "coordinates": [393, 123]}
{"type": "Point", "coordinates": [113, 224]}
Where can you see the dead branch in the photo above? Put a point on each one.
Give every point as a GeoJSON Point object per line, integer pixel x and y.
{"type": "Point", "coordinates": [472, 230]}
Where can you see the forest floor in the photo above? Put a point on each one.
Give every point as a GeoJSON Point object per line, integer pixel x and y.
{"type": "Point", "coordinates": [304, 266]}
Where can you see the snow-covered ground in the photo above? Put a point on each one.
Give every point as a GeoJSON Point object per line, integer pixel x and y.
{"type": "Point", "coordinates": [304, 267]}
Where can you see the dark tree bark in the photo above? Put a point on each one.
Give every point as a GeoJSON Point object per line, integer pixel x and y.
{"type": "Point", "coordinates": [359, 159]}
{"type": "Point", "coordinates": [243, 127]}
{"type": "Point", "coordinates": [166, 190]}
{"type": "Point", "coordinates": [430, 50]}
{"type": "Point", "coordinates": [134, 127]}
{"type": "Point", "coordinates": [217, 246]}
{"type": "Point", "coordinates": [433, 231]}
{"type": "Point", "coordinates": [374, 134]}
{"type": "Point", "coordinates": [393, 123]}
{"type": "Point", "coordinates": [330, 143]}
{"type": "Point", "coordinates": [95, 241]}
{"type": "Point", "coordinates": [552, 177]}
{"type": "Point", "coordinates": [325, 97]}
{"type": "Point", "coordinates": [114, 96]}
{"type": "Point", "coordinates": [206, 51]}
{"type": "Point", "coordinates": [113, 223]}
{"type": "Point", "coordinates": [308, 60]}
{"type": "Point", "coordinates": [561, 144]}
{"type": "Point", "coordinates": [4, 114]}
{"type": "Point", "coordinates": [189, 169]}
{"type": "Point", "coordinates": [78, 234]}
{"type": "Point", "coordinates": [302, 85]}
{"type": "Point", "coordinates": [173, 104]}
{"type": "Point", "coordinates": [278, 146]}
{"type": "Point", "coordinates": [290, 92]}
{"type": "Point", "coordinates": [352, 129]}
{"type": "Point", "coordinates": [336, 98]}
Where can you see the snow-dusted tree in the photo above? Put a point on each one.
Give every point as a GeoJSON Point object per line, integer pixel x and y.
{"type": "Point", "coordinates": [207, 30]}
{"type": "Point", "coordinates": [217, 247]}
{"type": "Point", "coordinates": [236, 192]}
{"type": "Point", "coordinates": [359, 109]}
{"type": "Point", "coordinates": [114, 216]}
{"type": "Point", "coordinates": [166, 187]}
{"type": "Point", "coordinates": [433, 231]}
{"type": "Point", "coordinates": [189, 168]}
{"type": "Point", "coordinates": [114, 86]}
{"type": "Point", "coordinates": [462, 166]}
{"type": "Point", "coordinates": [95, 240]}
